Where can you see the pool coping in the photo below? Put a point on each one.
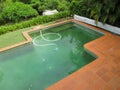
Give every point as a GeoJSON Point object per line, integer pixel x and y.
{"type": "Point", "coordinates": [67, 82]}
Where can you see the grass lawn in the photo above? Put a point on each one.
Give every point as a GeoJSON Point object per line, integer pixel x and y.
{"type": "Point", "coordinates": [14, 37]}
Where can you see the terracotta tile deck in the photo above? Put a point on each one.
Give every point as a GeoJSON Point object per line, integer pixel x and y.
{"type": "Point", "coordinates": [101, 74]}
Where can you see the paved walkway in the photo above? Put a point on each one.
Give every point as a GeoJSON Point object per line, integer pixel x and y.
{"type": "Point", "coordinates": [101, 74]}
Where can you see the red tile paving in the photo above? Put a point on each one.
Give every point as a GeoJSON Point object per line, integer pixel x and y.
{"type": "Point", "coordinates": [101, 74]}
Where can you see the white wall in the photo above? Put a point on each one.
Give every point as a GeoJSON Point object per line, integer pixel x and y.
{"type": "Point", "coordinates": [107, 27]}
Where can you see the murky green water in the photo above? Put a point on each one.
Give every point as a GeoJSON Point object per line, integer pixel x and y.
{"type": "Point", "coordinates": [31, 67]}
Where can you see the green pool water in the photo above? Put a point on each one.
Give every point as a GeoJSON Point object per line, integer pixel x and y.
{"type": "Point", "coordinates": [30, 67]}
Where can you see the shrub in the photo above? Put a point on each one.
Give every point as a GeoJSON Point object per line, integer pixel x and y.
{"type": "Point", "coordinates": [24, 1]}
{"type": "Point", "coordinates": [105, 11]}
{"type": "Point", "coordinates": [52, 4]}
{"type": "Point", "coordinates": [1, 19]}
{"type": "Point", "coordinates": [33, 21]}
{"type": "Point", "coordinates": [40, 6]}
{"type": "Point", "coordinates": [63, 6]}
{"type": "Point", "coordinates": [18, 11]}
{"type": "Point", "coordinates": [35, 4]}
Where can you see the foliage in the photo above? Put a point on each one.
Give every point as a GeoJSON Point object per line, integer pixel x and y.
{"type": "Point", "coordinates": [40, 6]}
{"type": "Point", "coordinates": [51, 4]}
{"type": "Point", "coordinates": [16, 12]}
{"type": "Point", "coordinates": [80, 7]}
{"type": "Point", "coordinates": [24, 1]}
{"type": "Point", "coordinates": [1, 19]}
{"type": "Point", "coordinates": [34, 21]}
{"type": "Point", "coordinates": [1, 5]}
{"type": "Point", "coordinates": [60, 5]}
{"type": "Point", "coordinates": [106, 11]}
{"type": "Point", "coordinates": [63, 5]}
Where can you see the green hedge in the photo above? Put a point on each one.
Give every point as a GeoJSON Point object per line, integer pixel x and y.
{"type": "Point", "coordinates": [33, 21]}
{"type": "Point", "coordinates": [16, 12]}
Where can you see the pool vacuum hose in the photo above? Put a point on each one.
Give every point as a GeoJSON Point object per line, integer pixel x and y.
{"type": "Point", "coordinates": [45, 39]}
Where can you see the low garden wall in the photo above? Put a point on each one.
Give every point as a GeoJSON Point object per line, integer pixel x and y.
{"type": "Point", "coordinates": [107, 27]}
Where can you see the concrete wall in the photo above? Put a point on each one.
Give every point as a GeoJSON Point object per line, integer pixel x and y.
{"type": "Point", "coordinates": [107, 27]}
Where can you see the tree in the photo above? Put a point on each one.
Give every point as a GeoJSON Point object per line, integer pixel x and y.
{"type": "Point", "coordinates": [17, 11]}
{"type": "Point", "coordinates": [106, 11]}
{"type": "Point", "coordinates": [1, 4]}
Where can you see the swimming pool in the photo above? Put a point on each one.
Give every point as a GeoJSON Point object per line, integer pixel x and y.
{"type": "Point", "coordinates": [35, 67]}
